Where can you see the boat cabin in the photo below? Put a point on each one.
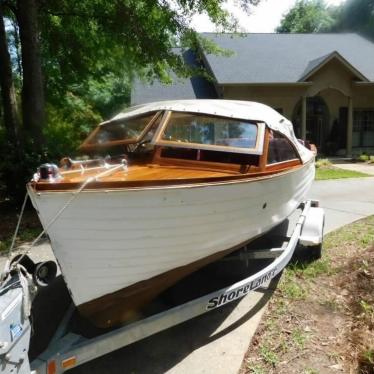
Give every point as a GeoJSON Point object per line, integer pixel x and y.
{"type": "Point", "coordinates": [166, 145]}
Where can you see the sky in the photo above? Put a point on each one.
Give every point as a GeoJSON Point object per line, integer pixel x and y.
{"type": "Point", "coordinates": [263, 18]}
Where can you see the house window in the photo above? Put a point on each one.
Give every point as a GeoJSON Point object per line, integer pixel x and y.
{"type": "Point", "coordinates": [363, 128]}
{"type": "Point", "coordinates": [280, 149]}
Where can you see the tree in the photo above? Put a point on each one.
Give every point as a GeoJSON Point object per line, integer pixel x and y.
{"type": "Point", "coordinates": [33, 108]}
{"type": "Point", "coordinates": [8, 93]}
{"type": "Point", "coordinates": [307, 16]}
{"type": "Point", "coordinates": [74, 40]}
{"type": "Point", "coordinates": [76, 53]}
{"type": "Point", "coordinates": [356, 16]}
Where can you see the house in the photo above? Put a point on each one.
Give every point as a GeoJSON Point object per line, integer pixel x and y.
{"type": "Point", "coordinates": [324, 83]}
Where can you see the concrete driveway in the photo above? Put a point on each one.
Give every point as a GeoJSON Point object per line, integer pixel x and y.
{"type": "Point", "coordinates": [217, 341]}
{"type": "Point", "coordinates": [344, 200]}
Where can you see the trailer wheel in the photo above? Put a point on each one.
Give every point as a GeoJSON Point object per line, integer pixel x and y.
{"type": "Point", "coordinates": [307, 254]}
{"type": "Point", "coordinates": [315, 252]}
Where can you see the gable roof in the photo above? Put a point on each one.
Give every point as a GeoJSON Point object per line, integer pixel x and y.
{"type": "Point", "coordinates": [318, 63]}
{"type": "Point", "coordinates": [286, 58]}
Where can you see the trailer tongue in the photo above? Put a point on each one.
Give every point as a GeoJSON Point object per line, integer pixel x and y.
{"type": "Point", "coordinates": [67, 349]}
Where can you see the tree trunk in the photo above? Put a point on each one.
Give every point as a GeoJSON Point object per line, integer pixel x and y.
{"type": "Point", "coordinates": [8, 93]}
{"type": "Point", "coordinates": [33, 105]}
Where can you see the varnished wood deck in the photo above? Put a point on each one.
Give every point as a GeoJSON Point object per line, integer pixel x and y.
{"type": "Point", "coordinates": [157, 175]}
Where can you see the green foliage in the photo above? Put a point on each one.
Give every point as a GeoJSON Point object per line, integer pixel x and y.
{"type": "Point", "coordinates": [90, 52]}
{"type": "Point", "coordinates": [336, 173]}
{"type": "Point", "coordinates": [88, 39]}
{"type": "Point", "coordinates": [311, 16]}
{"type": "Point", "coordinates": [307, 16]}
{"type": "Point", "coordinates": [363, 157]}
{"type": "Point", "coordinates": [323, 163]}
{"type": "Point", "coordinates": [356, 16]}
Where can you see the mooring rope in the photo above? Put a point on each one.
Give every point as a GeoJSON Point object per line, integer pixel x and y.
{"type": "Point", "coordinates": [18, 225]}
{"type": "Point", "coordinates": [89, 180]}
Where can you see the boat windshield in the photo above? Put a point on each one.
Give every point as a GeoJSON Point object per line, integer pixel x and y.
{"type": "Point", "coordinates": [125, 131]}
{"type": "Point", "coordinates": [209, 132]}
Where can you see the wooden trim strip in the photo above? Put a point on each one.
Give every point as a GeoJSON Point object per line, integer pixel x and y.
{"type": "Point", "coordinates": [283, 165]}
{"type": "Point", "coordinates": [108, 185]}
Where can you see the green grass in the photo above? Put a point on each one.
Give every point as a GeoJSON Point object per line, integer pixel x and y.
{"type": "Point", "coordinates": [268, 355]}
{"type": "Point", "coordinates": [256, 369]}
{"type": "Point", "coordinates": [283, 335]}
{"type": "Point", "coordinates": [336, 173]}
{"type": "Point", "coordinates": [368, 356]}
{"type": "Point", "coordinates": [310, 270]}
{"type": "Point", "coordinates": [4, 245]}
{"type": "Point", "coordinates": [292, 290]}
{"type": "Point", "coordinates": [24, 235]}
{"type": "Point", "coordinates": [360, 234]}
{"type": "Point", "coordinates": [299, 337]}
{"type": "Point", "coordinates": [310, 371]}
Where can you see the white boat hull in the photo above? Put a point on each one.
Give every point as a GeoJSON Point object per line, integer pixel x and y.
{"type": "Point", "coordinates": [106, 241]}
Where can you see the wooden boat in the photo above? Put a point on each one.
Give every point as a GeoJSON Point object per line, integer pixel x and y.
{"type": "Point", "coordinates": [187, 182]}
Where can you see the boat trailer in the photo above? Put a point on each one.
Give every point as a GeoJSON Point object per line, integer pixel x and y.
{"type": "Point", "coordinates": [68, 349]}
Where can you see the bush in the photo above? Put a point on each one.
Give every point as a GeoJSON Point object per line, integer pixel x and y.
{"type": "Point", "coordinates": [363, 157]}
{"type": "Point", "coordinates": [323, 163]}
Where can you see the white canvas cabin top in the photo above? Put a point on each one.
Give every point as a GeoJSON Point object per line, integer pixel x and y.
{"type": "Point", "coordinates": [247, 110]}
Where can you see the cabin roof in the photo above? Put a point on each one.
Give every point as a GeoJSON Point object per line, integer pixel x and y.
{"type": "Point", "coordinates": [247, 110]}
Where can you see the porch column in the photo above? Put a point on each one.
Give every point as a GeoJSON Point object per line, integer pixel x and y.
{"type": "Point", "coordinates": [303, 118]}
{"type": "Point", "coordinates": [349, 127]}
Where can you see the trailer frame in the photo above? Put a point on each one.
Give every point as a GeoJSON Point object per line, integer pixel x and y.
{"type": "Point", "coordinates": [67, 349]}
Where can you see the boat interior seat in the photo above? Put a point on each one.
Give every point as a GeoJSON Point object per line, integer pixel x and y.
{"type": "Point", "coordinates": [210, 156]}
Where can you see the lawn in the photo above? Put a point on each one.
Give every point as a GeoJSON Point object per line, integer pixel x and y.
{"type": "Point", "coordinates": [321, 317]}
{"type": "Point", "coordinates": [331, 172]}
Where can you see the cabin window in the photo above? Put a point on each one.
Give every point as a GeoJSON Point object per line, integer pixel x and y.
{"type": "Point", "coordinates": [125, 129]}
{"type": "Point", "coordinates": [280, 149]}
{"type": "Point", "coordinates": [188, 130]}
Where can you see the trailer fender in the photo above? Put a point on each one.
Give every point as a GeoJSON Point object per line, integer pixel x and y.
{"type": "Point", "coordinates": [312, 230]}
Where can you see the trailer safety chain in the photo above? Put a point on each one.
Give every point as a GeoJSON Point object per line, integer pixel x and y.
{"type": "Point", "coordinates": [9, 266]}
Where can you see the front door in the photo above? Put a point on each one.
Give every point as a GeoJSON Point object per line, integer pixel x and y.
{"type": "Point", "coordinates": [317, 120]}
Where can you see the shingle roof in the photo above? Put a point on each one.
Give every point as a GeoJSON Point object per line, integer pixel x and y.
{"type": "Point", "coordinates": [316, 64]}
{"type": "Point", "coordinates": [191, 88]}
{"type": "Point", "coordinates": [284, 58]}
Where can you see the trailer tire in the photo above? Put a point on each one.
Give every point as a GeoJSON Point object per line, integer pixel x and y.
{"type": "Point", "coordinates": [308, 254]}
{"type": "Point", "coordinates": [315, 252]}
